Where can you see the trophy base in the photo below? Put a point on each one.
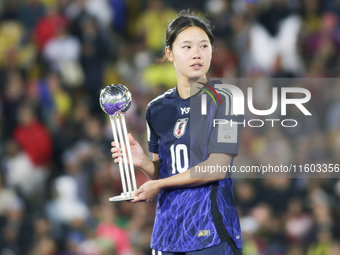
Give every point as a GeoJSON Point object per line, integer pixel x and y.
{"type": "Point", "coordinates": [121, 197]}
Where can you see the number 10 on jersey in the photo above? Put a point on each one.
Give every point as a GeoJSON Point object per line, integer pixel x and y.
{"type": "Point", "coordinates": [179, 158]}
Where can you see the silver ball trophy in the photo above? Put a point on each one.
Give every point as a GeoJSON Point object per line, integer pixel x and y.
{"type": "Point", "coordinates": [115, 100]}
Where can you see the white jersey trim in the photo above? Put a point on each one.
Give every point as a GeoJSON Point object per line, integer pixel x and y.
{"type": "Point", "coordinates": [154, 252]}
{"type": "Point", "coordinates": [163, 95]}
{"type": "Point", "coordinates": [148, 131]}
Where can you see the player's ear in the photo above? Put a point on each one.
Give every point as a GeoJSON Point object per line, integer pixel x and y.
{"type": "Point", "coordinates": [169, 54]}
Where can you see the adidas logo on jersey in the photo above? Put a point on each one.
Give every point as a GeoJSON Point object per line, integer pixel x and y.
{"type": "Point", "coordinates": [203, 233]}
{"type": "Point", "coordinates": [185, 110]}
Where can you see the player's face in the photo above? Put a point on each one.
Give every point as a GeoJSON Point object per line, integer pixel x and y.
{"type": "Point", "coordinates": [191, 53]}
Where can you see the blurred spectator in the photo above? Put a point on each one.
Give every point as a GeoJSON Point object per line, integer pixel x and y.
{"type": "Point", "coordinates": [333, 123]}
{"type": "Point", "coordinates": [16, 230]}
{"type": "Point", "coordinates": [106, 228]}
{"type": "Point", "coordinates": [318, 149]}
{"type": "Point", "coordinates": [45, 246]}
{"type": "Point", "coordinates": [10, 10]}
{"type": "Point", "coordinates": [180, 5]}
{"type": "Point", "coordinates": [42, 228]}
{"type": "Point", "coordinates": [55, 101]}
{"type": "Point", "coordinates": [100, 9]}
{"type": "Point", "coordinates": [10, 36]}
{"type": "Point", "coordinates": [221, 16]}
{"type": "Point", "coordinates": [156, 74]}
{"type": "Point", "coordinates": [335, 248]}
{"type": "Point", "coordinates": [7, 198]}
{"type": "Point", "coordinates": [96, 245]}
{"type": "Point", "coordinates": [223, 64]}
{"type": "Point", "coordinates": [331, 6]}
{"type": "Point", "coordinates": [297, 222]}
{"type": "Point", "coordinates": [106, 179]}
{"type": "Point", "coordinates": [275, 36]}
{"type": "Point", "coordinates": [333, 113]}
{"type": "Point", "coordinates": [277, 192]}
{"type": "Point", "coordinates": [72, 166]}
{"type": "Point", "coordinates": [120, 18]}
{"type": "Point", "coordinates": [94, 55]}
{"type": "Point", "coordinates": [139, 227]}
{"type": "Point", "coordinates": [241, 43]}
{"type": "Point", "coordinates": [246, 197]}
{"type": "Point", "coordinates": [29, 14]}
{"type": "Point", "coordinates": [14, 94]}
{"type": "Point", "coordinates": [46, 28]}
{"type": "Point", "coordinates": [324, 45]}
{"type": "Point", "coordinates": [22, 175]}
{"type": "Point", "coordinates": [33, 137]}
{"type": "Point", "coordinates": [152, 25]}
{"type": "Point", "coordinates": [62, 53]}
{"type": "Point", "coordinates": [251, 244]}
{"type": "Point", "coordinates": [311, 16]}
{"type": "Point", "coordinates": [273, 149]}
{"type": "Point", "coordinates": [77, 13]}
{"type": "Point", "coordinates": [270, 229]}
{"type": "Point", "coordinates": [66, 207]}
{"type": "Point", "coordinates": [322, 246]}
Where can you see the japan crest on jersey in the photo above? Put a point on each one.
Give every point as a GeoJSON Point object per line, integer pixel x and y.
{"type": "Point", "coordinates": [180, 126]}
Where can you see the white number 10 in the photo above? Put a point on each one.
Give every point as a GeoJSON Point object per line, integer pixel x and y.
{"type": "Point", "coordinates": [176, 158]}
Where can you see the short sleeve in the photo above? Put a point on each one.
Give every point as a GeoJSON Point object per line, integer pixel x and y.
{"type": "Point", "coordinates": [152, 137]}
{"type": "Point", "coordinates": [225, 134]}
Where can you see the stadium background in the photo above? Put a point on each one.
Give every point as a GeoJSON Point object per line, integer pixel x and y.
{"type": "Point", "coordinates": [56, 170]}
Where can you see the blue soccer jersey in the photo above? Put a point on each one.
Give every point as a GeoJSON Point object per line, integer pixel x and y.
{"type": "Point", "coordinates": [191, 219]}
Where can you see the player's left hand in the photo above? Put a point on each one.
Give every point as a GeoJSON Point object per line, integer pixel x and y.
{"type": "Point", "coordinates": [146, 192]}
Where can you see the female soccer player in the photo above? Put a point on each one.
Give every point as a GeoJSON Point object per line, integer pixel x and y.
{"type": "Point", "coordinates": [194, 216]}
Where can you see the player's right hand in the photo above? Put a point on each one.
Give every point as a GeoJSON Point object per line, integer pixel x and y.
{"type": "Point", "coordinates": [137, 152]}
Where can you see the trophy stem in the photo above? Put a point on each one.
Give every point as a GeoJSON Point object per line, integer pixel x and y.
{"type": "Point", "coordinates": [132, 170]}
{"type": "Point", "coordinates": [126, 168]}
{"type": "Point", "coordinates": [115, 137]}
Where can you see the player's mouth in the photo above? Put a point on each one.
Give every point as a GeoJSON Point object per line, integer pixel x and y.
{"type": "Point", "coordinates": [196, 66]}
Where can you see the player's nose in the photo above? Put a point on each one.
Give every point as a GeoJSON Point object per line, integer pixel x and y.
{"type": "Point", "coordinates": [196, 53]}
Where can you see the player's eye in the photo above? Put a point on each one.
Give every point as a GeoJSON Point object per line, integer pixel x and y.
{"type": "Point", "coordinates": [186, 47]}
{"type": "Point", "coordinates": [204, 46]}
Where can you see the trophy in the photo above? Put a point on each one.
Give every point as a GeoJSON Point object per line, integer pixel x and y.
{"type": "Point", "coordinates": [115, 100]}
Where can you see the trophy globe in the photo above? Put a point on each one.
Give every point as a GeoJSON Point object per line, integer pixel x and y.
{"type": "Point", "coordinates": [115, 99]}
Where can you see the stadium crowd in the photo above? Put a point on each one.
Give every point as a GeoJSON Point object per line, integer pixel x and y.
{"type": "Point", "coordinates": [56, 168]}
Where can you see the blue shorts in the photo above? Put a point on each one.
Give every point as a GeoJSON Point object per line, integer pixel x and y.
{"type": "Point", "coordinates": [225, 248]}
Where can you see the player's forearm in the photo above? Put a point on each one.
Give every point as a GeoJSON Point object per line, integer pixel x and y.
{"type": "Point", "coordinates": [191, 178]}
{"type": "Point", "coordinates": [150, 168]}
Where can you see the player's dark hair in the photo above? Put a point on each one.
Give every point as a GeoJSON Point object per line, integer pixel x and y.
{"type": "Point", "coordinates": [185, 20]}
